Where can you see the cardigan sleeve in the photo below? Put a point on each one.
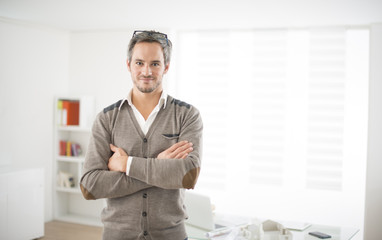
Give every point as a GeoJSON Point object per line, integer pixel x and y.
{"type": "Point", "coordinates": [97, 181]}
{"type": "Point", "coordinates": [174, 173]}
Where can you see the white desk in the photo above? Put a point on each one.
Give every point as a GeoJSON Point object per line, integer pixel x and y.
{"type": "Point", "coordinates": [337, 233]}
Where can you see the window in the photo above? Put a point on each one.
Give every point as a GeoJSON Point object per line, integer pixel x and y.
{"type": "Point", "coordinates": [285, 117]}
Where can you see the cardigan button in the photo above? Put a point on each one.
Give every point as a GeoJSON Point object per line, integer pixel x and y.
{"type": "Point", "coordinates": [145, 140]}
{"type": "Point", "coordinates": [144, 214]}
{"type": "Point", "coordinates": [145, 233]}
{"type": "Point", "coordinates": [145, 195]}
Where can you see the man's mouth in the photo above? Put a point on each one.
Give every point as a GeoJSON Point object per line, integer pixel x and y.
{"type": "Point", "coordinates": [146, 79]}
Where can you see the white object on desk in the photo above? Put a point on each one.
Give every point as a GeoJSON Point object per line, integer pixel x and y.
{"type": "Point", "coordinates": [298, 226]}
{"type": "Point", "coordinates": [199, 211]}
{"type": "Point", "coordinates": [337, 233]}
{"type": "Point", "coordinates": [201, 218]}
{"type": "Point", "coordinates": [264, 230]}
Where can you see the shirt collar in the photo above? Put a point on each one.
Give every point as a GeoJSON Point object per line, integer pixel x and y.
{"type": "Point", "coordinates": [162, 100]}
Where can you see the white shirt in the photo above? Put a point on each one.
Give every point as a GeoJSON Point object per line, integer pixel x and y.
{"type": "Point", "coordinates": [144, 124]}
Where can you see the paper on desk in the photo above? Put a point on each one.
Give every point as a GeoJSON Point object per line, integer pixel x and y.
{"type": "Point", "coordinates": [232, 233]}
{"type": "Point", "coordinates": [257, 230]}
{"type": "Point", "coordinates": [298, 226]}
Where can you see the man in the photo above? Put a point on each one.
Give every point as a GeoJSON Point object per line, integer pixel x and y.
{"type": "Point", "coordinates": [144, 151]}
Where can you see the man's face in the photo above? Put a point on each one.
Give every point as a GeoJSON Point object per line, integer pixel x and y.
{"type": "Point", "coordinates": [147, 67]}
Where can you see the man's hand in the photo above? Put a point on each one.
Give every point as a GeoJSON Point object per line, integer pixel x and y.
{"type": "Point", "coordinates": [179, 150]}
{"type": "Point", "coordinates": [118, 161]}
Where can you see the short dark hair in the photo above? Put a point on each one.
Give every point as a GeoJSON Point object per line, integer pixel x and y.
{"type": "Point", "coordinates": [151, 36]}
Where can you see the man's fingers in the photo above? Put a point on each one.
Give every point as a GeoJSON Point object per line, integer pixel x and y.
{"type": "Point", "coordinates": [117, 150]}
{"type": "Point", "coordinates": [179, 150]}
{"type": "Point", "coordinates": [113, 148]}
{"type": "Point", "coordinates": [182, 155]}
{"type": "Point", "coordinates": [183, 148]}
{"type": "Point", "coordinates": [176, 146]}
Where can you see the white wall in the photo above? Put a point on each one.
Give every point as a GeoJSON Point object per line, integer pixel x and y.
{"type": "Point", "coordinates": [90, 15]}
{"type": "Point", "coordinates": [373, 201]}
{"type": "Point", "coordinates": [34, 67]}
{"type": "Point", "coordinates": [98, 66]}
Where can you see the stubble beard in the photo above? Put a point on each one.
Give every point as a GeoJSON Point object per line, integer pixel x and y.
{"type": "Point", "coordinates": [147, 89]}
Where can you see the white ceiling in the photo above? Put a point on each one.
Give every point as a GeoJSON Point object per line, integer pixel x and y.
{"type": "Point", "coordinates": [77, 15]}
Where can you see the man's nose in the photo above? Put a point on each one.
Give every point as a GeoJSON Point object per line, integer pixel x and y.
{"type": "Point", "coordinates": [146, 70]}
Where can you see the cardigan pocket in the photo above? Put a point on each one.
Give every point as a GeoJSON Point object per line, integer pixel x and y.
{"type": "Point", "coordinates": [169, 140]}
{"type": "Point", "coordinates": [171, 136]}
{"type": "Point", "coordinates": [165, 142]}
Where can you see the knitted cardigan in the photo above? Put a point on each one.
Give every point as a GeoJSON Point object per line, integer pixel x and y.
{"type": "Point", "coordinates": [148, 203]}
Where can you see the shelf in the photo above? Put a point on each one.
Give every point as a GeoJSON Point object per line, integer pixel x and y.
{"type": "Point", "coordinates": [73, 128]}
{"type": "Point", "coordinates": [69, 204]}
{"type": "Point", "coordinates": [68, 190]}
{"type": "Point", "coordinates": [71, 159]}
{"type": "Point", "coordinates": [75, 218]}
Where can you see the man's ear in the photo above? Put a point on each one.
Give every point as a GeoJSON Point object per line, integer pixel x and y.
{"type": "Point", "coordinates": [128, 65]}
{"type": "Point", "coordinates": [166, 68]}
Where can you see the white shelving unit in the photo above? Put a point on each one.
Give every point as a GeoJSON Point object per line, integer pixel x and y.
{"type": "Point", "coordinates": [69, 204]}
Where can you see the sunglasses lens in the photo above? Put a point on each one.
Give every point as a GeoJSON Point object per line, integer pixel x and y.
{"type": "Point", "coordinates": [155, 34]}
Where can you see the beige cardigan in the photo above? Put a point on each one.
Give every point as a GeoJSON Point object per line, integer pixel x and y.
{"type": "Point", "coordinates": [147, 204]}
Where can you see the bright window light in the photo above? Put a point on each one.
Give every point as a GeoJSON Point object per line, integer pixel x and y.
{"type": "Point", "coordinates": [285, 119]}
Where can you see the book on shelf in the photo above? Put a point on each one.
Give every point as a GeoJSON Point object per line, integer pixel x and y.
{"type": "Point", "coordinates": [59, 112]}
{"type": "Point", "coordinates": [65, 179]}
{"type": "Point", "coordinates": [62, 148]}
{"type": "Point", "coordinates": [69, 149]}
{"type": "Point", "coordinates": [76, 150]}
{"type": "Point", "coordinates": [68, 112]}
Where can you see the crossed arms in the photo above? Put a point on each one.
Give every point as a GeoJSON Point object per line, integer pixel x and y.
{"type": "Point", "coordinates": [118, 161]}
{"type": "Point", "coordinates": [176, 167]}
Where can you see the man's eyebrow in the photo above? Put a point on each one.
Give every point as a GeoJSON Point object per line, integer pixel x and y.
{"type": "Point", "coordinates": [141, 60]}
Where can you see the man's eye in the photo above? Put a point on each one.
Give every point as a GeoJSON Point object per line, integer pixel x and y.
{"type": "Point", "coordinates": [139, 63]}
{"type": "Point", "coordinates": [155, 64]}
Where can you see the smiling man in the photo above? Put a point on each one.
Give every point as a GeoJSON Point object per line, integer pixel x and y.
{"type": "Point", "coordinates": [144, 151]}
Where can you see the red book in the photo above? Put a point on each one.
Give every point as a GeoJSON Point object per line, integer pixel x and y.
{"type": "Point", "coordinates": [62, 148]}
{"type": "Point", "coordinates": [72, 109]}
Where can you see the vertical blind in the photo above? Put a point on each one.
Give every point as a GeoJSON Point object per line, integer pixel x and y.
{"type": "Point", "coordinates": [285, 114]}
